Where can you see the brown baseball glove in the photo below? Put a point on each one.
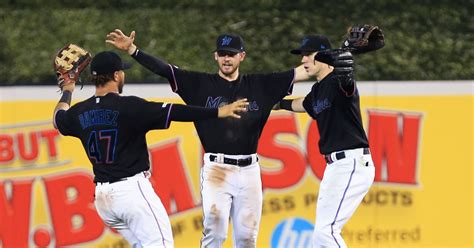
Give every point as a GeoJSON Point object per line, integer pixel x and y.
{"type": "Point", "coordinates": [69, 62]}
{"type": "Point", "coordinates": [363, 38]}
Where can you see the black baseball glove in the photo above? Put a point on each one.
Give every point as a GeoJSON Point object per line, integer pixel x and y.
{"type": "Point", "coordinates": [363, 38]}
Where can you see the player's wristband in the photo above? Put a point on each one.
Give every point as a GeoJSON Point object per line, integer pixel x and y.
{"type": "Point", "coordinates": [286, 104]}
{"type": "Point", "coordinates": [66, 97]}
{"type": "Point", "coordinates": [133, 50]}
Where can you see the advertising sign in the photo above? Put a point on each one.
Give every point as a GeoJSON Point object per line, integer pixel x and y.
{"type": "Point", "coordinates": [421, 137]}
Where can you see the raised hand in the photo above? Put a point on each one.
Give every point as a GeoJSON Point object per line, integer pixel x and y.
{"type": "Point", "coordinates": [65, 82]}
{"type": "Point", "coordinates": [121, 41]}
{"type": "Point", "coordinates": [231, 110]}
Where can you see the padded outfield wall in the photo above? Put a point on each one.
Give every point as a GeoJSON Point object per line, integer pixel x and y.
{"type": "Point", "coordinates": [421, 136]}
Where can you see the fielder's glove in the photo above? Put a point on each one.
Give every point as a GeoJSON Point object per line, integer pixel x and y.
{"type": "Point", "coordinates": [363, 38]}
{"type": "Point", "coordinates": [69, 62]}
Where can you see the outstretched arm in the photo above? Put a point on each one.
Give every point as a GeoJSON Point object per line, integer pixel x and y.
{"type": "Point", "coordinates": [343, 63]}
{"type": "Point", "coordinates": [344, 69]}
{"type": "Point", "coordinates": [294, 105]}
{"type": "Point", "coordinates": [180, 112]}
{"type": "Point", "coordinates": [65, 101]}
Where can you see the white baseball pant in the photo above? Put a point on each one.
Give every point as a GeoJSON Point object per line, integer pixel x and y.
{"type": "Point", "coordinates": [344, 185]}
{"type": "Point", "coordinates": [134, 209]}
{"type": "Point", "coordinates": [230, 190]}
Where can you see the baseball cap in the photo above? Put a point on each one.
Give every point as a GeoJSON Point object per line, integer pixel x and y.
{"type": "Point", "coordinates": [230, 42]}
{"type": "Point", "coordinates": [313, 43]}
{"type": "Point", "coordinates": [107, 62]}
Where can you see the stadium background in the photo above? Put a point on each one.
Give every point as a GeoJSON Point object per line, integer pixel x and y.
{"type": "Point", "coordinates": [417, 102]}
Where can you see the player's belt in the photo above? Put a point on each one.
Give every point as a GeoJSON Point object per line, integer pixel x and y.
{"type": "Point", "coordinates": [242, 162]}
{"type": "Point", "coordinates": [145, 174]}
{"type": "Point", "coordinates": [340, 155]}
{"type": "Point", "coordinates": [111, 181]}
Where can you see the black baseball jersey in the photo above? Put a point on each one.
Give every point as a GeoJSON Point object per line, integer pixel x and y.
{"type": "Point", "coordinates": [337, 114]}
{"type": "Point", "coordinates": [112, 130]}
{"type": "Point", "coordinates": [232, 136]}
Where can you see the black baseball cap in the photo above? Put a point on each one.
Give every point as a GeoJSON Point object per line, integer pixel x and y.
{"type": "Point", "coordinates": [230, 42]}
{"type": "Point", "coordinates": [313, 43]}
{"type": "Point", "coordinates": [107, 62]}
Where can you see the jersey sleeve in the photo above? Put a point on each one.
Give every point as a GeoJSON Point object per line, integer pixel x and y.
{"type": "Point", "coordinates": [152, 63]}
{"type": "Point", "coordinates": [308, 104]}
{"type": "Point", "coordinates": [309, 101]}
{"type": "Point", "coordinates": [186, 83]}
{"type": "Point", "coordinates": [64, 123]}
{"type": "Point", "coordinates": [150, 115]}
{"type": "Point", "coordinates": [279, 84]}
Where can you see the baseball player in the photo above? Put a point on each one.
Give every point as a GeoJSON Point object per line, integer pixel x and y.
{"type": "Point", "coordinates": [112, 129]}
{"type": "Point", "coordinates": [230, 178]}
{"type": "Point", "coordinates": [334, 103]}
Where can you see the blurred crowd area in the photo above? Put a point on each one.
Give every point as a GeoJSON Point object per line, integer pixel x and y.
{"type": "Point", "coordinates": [425, 40]}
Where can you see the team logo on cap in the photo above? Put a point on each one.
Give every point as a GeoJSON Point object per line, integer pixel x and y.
{"type": "Point", "coordinates": [304, 41]}
{"type": "Point", "coordinates": [226, 41]}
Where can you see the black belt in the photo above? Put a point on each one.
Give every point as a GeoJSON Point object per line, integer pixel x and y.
{"type": "Point", "coordinates": [341, 155]}
{"type": "Point", "coordinates": [111, 181]}
{"type": "Point", "coordinates": [120, 179]}
{"type": "Point", "coordinates": [242, 162]}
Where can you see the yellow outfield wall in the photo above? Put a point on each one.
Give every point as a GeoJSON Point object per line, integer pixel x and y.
{"type": "Point", "coordinates": [421, 136]}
